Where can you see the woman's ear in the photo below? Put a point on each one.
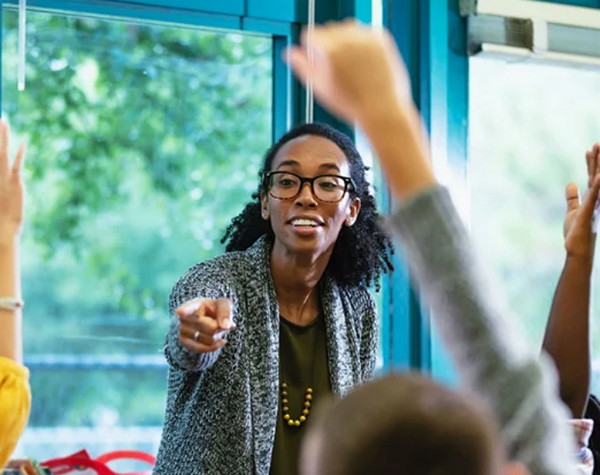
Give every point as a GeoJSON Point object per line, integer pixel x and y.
{"type": "Point", "coordinates": [264, 206]}
{"type": "Point", "coordinates": [353, 211]}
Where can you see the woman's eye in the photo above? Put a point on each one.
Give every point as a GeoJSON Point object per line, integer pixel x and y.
{"type": "Point", "coordinates": [328, 185]}
{"type": "Point", "coordinates": [286, 182]}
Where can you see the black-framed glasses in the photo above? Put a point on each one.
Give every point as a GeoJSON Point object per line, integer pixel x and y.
{"type": "Point", "coordinates": [327, 188]}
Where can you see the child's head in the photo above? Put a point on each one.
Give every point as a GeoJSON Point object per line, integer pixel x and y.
{"type": "Point", "coordinates": [402, 424]}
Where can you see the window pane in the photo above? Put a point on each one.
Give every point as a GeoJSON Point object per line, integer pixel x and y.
{"type": "Point", "coordinates": [530, 126]}
{"type": "Point", "coordinates": [144, 141]}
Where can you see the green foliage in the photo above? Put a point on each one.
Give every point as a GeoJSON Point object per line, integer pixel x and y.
{"type": "Point", "coordinates": [144, 142]}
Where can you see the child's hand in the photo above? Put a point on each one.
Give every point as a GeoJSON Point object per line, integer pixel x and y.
{"type": "Point", "coordinates": [11, 189]}
{"type": "Point", "coordinates": [581, 218]}
{"type": "Point", "coordinates": [346, 62]}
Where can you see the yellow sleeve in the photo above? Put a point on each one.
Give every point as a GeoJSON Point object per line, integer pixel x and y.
{"type": "Point", "coordinates": [15, 403]}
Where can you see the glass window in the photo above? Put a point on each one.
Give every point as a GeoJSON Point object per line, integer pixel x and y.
{"type": "Point", "coordinates": [530, 126]}
{"type": "Point", "coordinates": [144, 141]}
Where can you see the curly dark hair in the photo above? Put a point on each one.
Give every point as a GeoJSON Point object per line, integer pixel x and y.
{"type": "Point", "coordinates": [369, 247]}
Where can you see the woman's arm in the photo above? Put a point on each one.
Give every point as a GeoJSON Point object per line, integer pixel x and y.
{"type": "Point", "coordinates": [369, 338]}
{"type": "Point", "coordinates": [204, 281]}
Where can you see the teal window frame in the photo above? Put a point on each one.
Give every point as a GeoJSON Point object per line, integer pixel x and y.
{"type": "Point", "coordinates": [431, 36]}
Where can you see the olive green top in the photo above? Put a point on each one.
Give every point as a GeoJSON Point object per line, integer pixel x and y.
{"type": "Point", "coordinates": [302, 365]}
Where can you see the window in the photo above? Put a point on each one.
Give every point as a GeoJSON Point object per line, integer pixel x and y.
{"type": "Point", "coordinates": [530, 126]}
{"type": "Point", "coordinates": [144, 141]}
{"type": "Point", "coordinates": [375, 178]}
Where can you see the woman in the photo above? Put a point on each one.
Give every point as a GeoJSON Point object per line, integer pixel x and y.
{"type": "Point", "coordinates": [15, 399]}
{"type": "Point", "coordinates": [291, 294]}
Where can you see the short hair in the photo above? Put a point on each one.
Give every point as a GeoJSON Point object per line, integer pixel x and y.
{"type": "Point", "coordinates": [402, 424]}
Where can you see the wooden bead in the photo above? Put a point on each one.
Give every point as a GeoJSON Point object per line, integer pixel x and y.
{"type": "Point", "coordinates": [285, 409]}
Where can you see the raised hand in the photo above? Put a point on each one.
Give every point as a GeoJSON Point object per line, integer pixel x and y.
{"type": "Point", "coordinates": [580, 225]}
{"type": "Point", "coordinates": [204, 324]}
{"type": "Point", "coordinates": [11, 188]}
{"type": "Point", "coordinates": [349, 62]}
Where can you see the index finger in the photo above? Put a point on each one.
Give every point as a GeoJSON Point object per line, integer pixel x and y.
{"type": "Point", "coordinates": [198, 306]}
{"type": "Point", "coordinates": [593, 163]}
{"type": "Point", "coordinates": [224, 316]}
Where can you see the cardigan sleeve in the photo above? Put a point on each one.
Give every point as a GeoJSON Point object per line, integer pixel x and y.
{"type": "Point", "coordinates": [15, 403]}
{"type": "Point", "coordinates": [482, 336]}
{"type": "Point", "coordinates": [209, 280]}
{"type": "Point", "coordinates": [369, 338]}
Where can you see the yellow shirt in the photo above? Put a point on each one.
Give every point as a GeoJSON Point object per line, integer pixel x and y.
{"type": "Point", "coordinates": [15, 403]}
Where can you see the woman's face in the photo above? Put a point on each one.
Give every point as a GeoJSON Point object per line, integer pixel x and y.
{"type": "Point", "coordinates": [305, 224]}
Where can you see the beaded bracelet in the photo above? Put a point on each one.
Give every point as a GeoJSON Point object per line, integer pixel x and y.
{"type": "Point", "coordinates": [10, 303]}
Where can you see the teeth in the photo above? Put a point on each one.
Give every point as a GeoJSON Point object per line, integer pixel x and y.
{"type": "Point", "coordinates": [304, 222]}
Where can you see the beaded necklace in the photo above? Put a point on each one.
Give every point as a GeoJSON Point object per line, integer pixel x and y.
{"type": "Point", "coordinates": [308, 397]}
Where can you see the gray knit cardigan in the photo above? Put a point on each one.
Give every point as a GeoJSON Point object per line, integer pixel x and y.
{"type": "Point", "coordinates": [222, 407]}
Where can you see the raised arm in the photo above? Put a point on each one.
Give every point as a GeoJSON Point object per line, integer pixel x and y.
{"type": "Point", "coordinates": [567, 338]}
{"type": "Point", "coordinates": [11, 218]}
{"type": "Point", "coordinates": [15, 398]}
{"type": "Point", "coordinates": [359, 75]}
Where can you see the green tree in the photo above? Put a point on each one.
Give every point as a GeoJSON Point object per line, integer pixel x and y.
{"type": "Point", "coordinates": [144, 141]}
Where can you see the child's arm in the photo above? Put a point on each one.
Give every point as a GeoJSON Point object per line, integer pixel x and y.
{"type": "Point", "coordinates": [10, 320]}
{"type": "Point", "coordinates": [15, 398]}
{"type": "Point", "coordinates": [567, 338]}
{"type": "Point", "coordinates": [11, 217]}
{"type": "Point", "coordinates": [358, 74]}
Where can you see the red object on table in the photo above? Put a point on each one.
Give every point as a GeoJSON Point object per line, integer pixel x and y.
{"type": "Point", "coordinates": [81, 463]}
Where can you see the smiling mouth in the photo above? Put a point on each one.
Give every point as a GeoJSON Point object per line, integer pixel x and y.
{"type": "Point", "coordinates": [305, 223]}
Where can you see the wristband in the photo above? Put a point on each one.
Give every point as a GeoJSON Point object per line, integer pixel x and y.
{"type": "Point", "coordinates": [10, 303]}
